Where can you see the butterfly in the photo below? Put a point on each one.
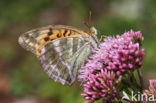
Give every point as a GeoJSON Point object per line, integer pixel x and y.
{"type": "Point", "coordinates": [61, 49]}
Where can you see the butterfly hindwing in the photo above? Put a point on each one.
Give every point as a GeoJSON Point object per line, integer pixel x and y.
{"type": "Point", "coordinates": [62, 57]}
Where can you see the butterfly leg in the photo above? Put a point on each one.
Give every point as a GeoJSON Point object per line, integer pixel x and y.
{"type": "Point", "coordinates": [103, 36]}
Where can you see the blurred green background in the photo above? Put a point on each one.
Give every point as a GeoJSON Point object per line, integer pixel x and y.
{"type": "Point", "coordinates": [22, 80]}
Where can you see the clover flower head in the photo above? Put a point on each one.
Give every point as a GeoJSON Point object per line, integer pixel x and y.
{"type": "Point", "coordinates": [120, 54]}
{"type": "Point", "coordinates": [100, 85]}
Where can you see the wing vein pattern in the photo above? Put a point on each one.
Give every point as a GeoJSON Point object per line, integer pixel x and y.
{"type": "Point", "coordinates": [61, 62]}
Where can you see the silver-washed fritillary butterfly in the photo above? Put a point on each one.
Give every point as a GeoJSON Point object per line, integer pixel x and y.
{"type": "Point", "coordinates": [61, 49]}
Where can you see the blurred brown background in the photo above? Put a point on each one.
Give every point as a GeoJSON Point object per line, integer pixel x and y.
{"type": "Point", "coordinates": [22, 80]}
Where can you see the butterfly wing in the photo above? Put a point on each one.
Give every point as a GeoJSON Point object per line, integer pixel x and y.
{"type": "Point", "coordinates": [61, 50]}
{"type": "Point", "coordinates": [34, 40]}
{"type": "Point", "coordinates": [62, 57]}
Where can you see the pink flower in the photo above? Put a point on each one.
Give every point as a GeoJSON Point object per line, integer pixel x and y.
{"type": "Point", "coordinates": [100, 85]}
{"type": "Point", "coordinates": [120, 54]}
{"type": "Point", "coordinates": [152, 87]}
{"type": "Point", "coordinates": [104, 69]}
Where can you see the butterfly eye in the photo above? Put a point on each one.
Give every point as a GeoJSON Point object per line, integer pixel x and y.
{"type": "Point", "coordinates": [93, 30]}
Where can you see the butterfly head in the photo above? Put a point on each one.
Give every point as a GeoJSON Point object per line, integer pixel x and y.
{"type": "Point", "coordinates": [93, 30]}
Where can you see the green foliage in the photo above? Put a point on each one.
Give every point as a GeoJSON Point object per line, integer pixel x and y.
{"type": "Point", "coordinates": [8, 52]}
{"type": "Point", "coordinates": [21, 10]}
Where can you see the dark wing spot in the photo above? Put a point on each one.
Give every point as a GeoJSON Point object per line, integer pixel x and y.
{"type": "Point", "coordinates": [69, 33]}
{"type": "Point", "coordinates": [50, 31]}
{"type": "Point", "coordinates": [46, 38]}
{"type": "Point", "coordinates": [64, 34]}
{"type": "Point", "coordinates": [58, 35]}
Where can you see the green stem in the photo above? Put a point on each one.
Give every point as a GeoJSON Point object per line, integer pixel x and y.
{"type": "Point", "coordinates": [141, 81]}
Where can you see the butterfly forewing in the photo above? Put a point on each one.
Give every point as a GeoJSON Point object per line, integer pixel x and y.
{"type": "Point", "coordinates": [34, 40]}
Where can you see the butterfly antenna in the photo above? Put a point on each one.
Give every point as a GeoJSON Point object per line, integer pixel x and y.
{"type": "Point", "coordinates": [89, 18]}
{"type": "Point", "coordinates": [88, 21]}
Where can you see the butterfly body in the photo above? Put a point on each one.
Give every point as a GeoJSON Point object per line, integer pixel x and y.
{"type": "Point", "coordinates": [61, 50]}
